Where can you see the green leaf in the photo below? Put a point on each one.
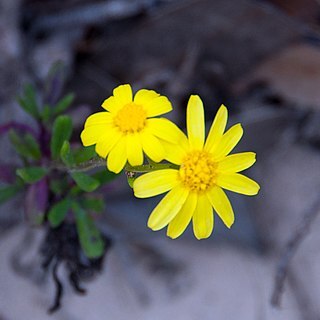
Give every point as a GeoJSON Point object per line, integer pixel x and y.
{"type": "Point", "coordinates": [105, 176]}
{"type": "Point", "coordinates": [32, 174]}
{"type": "Point", "coordinates": [66, 155]}
{"type": "Point", "coordinates": [89, 236]}
{"type": "Point", "coordinates": [84, 154]}
{"type": "Point", "coordinates": [58, 212]}
{"type": "Point", "coordinates": [46, 113]}
{"type": "Point", "coordinates": [25, 145]}
{"type": "Point", "coordinates": [63, 104]}
{"type": "Point", "coordinates": [62, 130]}
{"type": "Point", "coordinates": [6, 193]}
{"type": "Point", "coordinates": [59, 186]}
{"type": "Point", "coordinates": [130, 178]}
{"type": "Point", "coordinates": [28, 101]}
{"type": "Point", "coordinates": [93, 204]}
{"type": "Point", "coordinates": [85, 182]}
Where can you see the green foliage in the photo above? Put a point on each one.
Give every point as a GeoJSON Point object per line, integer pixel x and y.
{"type": "Point", "coordinates": [32, 174]}
{"type": "Point", "coordinates": [58, 212]}
{"type": "Point", "coordinates": [84, 154]}
{"type": "Point", "coordinates": [26, 145]}
{"type": "Point", "coordinates": [66, 155]}
{"type": "Point", "coordinates": [61, 131]}
{"type": "Point", "coordinates": [8, 192]}
{"type": "Point", "coordinates": [28, 101]}
{"type": "Point", "coordinates": [104, 176]}
{"type": "Point", "coordinates": [63, 104]}
{"type": "Point", "coordinates": [85, 182]}
{"type": "Point", "coordinates": [93, 204]}
{"type": "Point", "coordinates": [89, 236]}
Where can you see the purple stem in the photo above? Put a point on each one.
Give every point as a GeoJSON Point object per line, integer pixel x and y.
{"type": "Point", "coordinates": [16, 125]}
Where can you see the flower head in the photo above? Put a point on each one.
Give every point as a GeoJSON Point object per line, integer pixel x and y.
{"type": "Point", "coordinates": [205, 169]}
{"type": "Point", "coordinates": [127, 128]}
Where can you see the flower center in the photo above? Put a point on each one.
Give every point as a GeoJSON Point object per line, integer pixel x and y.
{"type": "Point", "coordinates": [131, 118]}
{"type": "Point", "coordinates": [198, 171]}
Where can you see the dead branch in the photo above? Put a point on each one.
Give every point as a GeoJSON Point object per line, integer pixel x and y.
{"type": "Point", "coordinates": [289, 251]}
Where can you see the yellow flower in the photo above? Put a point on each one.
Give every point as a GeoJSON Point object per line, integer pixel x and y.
{"type": "Point", "coordinates": [205, 167]}
{"type": "Point", "coordinates": [127, 128]}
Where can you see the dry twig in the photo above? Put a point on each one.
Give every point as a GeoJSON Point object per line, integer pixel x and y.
{"type": "Point", "coordinates": [289, 251]}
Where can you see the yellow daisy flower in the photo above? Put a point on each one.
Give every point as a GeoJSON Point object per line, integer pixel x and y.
{"type": "Point", "coordinates": [205, 167]}
{"type": "Point", "coordinates": [127, 128]}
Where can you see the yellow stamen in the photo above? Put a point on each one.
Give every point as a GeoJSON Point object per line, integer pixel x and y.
{"type": "Point", "coordinates": [198, 171]}
{"type": "Point", "coordinates": [131, 118]}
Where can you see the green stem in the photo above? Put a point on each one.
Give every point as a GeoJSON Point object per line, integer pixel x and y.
{"type": "Point", "coordinates": [150, 167]}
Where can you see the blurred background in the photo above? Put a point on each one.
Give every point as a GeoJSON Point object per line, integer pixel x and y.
{"type": "Point", "coordinates": [262, 60]}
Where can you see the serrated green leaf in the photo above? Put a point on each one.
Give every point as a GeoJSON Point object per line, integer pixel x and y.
{"type": "Point", "coordinates": [31, 174]}
{"type": "Point", "coordinates": [89, 236]}
{"type": "Point", "coordinates": [85, 182]}
{"type": "Point", "coordinates": [62, 130]}
{"type": "Point", "coordinates": [84, 154]}
{"type": "Point", "coordinates": [105, 176]}
{"type": "Point", "coordinates": [93, 204]}
{"type": "Point", "coordinates": [28, 101]}
{"type": "Point", "coordinates": [25, 145]}
{"type": "Point", "coordinates": [66, 155]}
{"type": "Point", "coordinates": [63, 104]}
{"type": "Point", "coordinates": [58, 212]}
{"type": "Point", "coordinates": [8, 192]}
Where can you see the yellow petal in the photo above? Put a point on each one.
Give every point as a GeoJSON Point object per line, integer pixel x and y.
{"type": "Point", "coordinates": [152, 147]}
{"type": "Point", "coordinates": [99, 118]}
{"type": "Point", "coordinates": [174, 153]}
{"type": "Point", "coordinates": [237, 162]}
{"type": "Point", "coordinates": [228, 141]}
{"type": "Point", "coordinates": [203, 218]}
{"type": "Point", "coordinates": [221, 205]}
{"type": "Point", "coordinates": [144, 96]}
{"type": "Point", "coordinates": [93, 134]}
{"type": "Point", "coordinates": [123, 94]}
{"type": "Point", "coordinates": [157, 106]}
{"type": "Point", "coordinates": [195, 122]}
{"type": "Point", "coordinates": [112, 105]}
{"type": "Point", "coordinates": [180, 222]}
{"type": "Point", "coordinates": [167, 208]}
{"type": "Point", "coordinates": [134, 150]}
{"type": "Point", "coordinates": [217, 129]}
{"type": "Point", "coordinates": [107, 142]}
{"type": "Point", "coordinates": [166, 130]}
{"type": "Point", "coordinates": [154, 183]}
{"type": "Point", "coordinates": [239, 183]}
{"type": "Point", "coordinates": [118, 156]}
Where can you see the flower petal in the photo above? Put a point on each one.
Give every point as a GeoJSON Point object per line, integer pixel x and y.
{"type": "Point", "coordinates": [237, 162]}
{"type": "Point", "coordinates": [144, 96]}
{"type": "Point", "coordinates": [239, 183]}
{"type": "Point", "coordinates": [123, 94]}
{"type": "Point", "coordinates": [112, 105]}
{"type": "Point", "coordinates": [154, 183]}
{"type": "Point", "coordinates": [152, 147]}
{"type": "Point", "coordinates": [228, 141]}
{"type": "Point", "coordinates": [167, 208]}
{"type": "Point", "coordinates": [180, 222]}
{"type": "Point", "coordinates": [134, 150]}
{"type": "Point", "coordinates": [221, 205]}
{"type": "Point", "coordinates": [93, 134]}
{"type": "Point", "coordinates": [217, 128]}
{"type": "Point", "coordinates": [157, 106]}
{"type": "Point", "coordinates": [203, 218]}
{"type": "Point", "coordinates": [166, 130]}
{"type": "Point", "coordinates": [118, 156]}
{"type": "Point", "coordinates": [99, 118]}
{"type": "Point", "coordinates": [107, 142]}
{"type": "Point", "coordinates": [174, 153]}
{"type": "Point", "coordinates": [195, 122]}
